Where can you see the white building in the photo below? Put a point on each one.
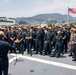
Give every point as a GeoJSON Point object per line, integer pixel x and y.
{"type": "Point", "coordinates": [44, 24]}
{"type": "Point", "coordinates": [4, 21]}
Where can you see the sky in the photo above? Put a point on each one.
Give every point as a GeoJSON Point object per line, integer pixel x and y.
{"type": "Point", "coordinates": [28, 8]}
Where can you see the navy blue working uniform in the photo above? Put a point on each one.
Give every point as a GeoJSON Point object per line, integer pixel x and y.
{"type": "Point", "coordinates": [39, 42]}
{"type": "Point", "coordinates": [58, 45]}
{"type": "Point", "coordinates": [20, 45]}
{"type": "Point", "coordinates": [24, 36]}
{"type": "Point", "coordinates": [43, 34]}
{"type": "Point", "coordinates": [48, 45]}
{"type": "Point", "coordinates": [5, 38]}
{"type": "Point", "coordinates": [33, 33]}
{"type": "Point", "coordinates": [12, 35]}
{"type": "Point", "coordinates": [68, 35]}
{"type": "Point", "coordinates": [4, 48]}
{"type": "Point", "coordinates": [29, 43]}
{"type": "Point", "coordinates": [65, 41]}
{"type": "Point", "coordinates": [8, 36]}
{"type": "Point", "coordinates": [54, 32]}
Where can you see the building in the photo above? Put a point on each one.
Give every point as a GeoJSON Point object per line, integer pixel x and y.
{"type": "Point", "coordinates": [4, 21]}
{"type": "Point", "coordinates": [44, 24]}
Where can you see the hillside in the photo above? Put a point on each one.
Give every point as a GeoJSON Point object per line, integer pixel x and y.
{"type": "Point", "coordinates": [46, 17]}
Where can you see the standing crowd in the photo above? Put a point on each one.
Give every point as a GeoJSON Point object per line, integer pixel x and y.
{"type": "Point", "coordinates": [53, 41]}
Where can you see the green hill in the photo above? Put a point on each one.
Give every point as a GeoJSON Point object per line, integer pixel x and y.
{"type": "Point", "coordinates": [47, 17]}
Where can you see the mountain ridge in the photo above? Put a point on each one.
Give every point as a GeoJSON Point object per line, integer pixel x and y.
{"type": "Point", "coordinates": [47, 17]}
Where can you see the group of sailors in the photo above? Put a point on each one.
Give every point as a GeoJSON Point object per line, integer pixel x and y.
{"type": "Point", "coordinates": [52, 41]}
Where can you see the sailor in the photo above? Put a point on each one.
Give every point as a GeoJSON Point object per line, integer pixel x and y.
{"type": "Point", "coordinates": [29, 42]}
{"type": "Point", "coordinates": [33, 32]}
{"type": "Point", "coordinates": [19, 42]}
{"type": "Point", "coordinates": [39, 41]}
{"type": "Point", "coordinates": [12, 37]}
{"type": "Point", "coordinates": [4, 48]}
{"type": "Point", "coordinates": [65, 40]}
{"type": "Point", "coordinates": [74, 46]}
{"type": "Point", "coordinates": [70, 43]}
{"type": "Point", "coordinates": [48, 42]}
{"type": "Point", "coordinates": [58, 44]}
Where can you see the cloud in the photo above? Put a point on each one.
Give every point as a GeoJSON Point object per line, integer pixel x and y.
{"type": "Point", "coordinates": [57, 6]}
{"type": "Point", "coordinates": [6, 0]}
{"type": "Point", "coordinates": [72, 3]}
